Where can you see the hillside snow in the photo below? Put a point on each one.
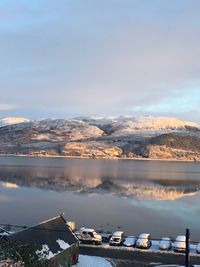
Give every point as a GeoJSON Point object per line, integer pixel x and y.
{"type": "Point", "coordinates": [12, 120]}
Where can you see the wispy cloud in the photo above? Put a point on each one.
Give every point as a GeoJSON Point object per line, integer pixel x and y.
{"type": "Point", "coordinates": [4, 107]}
{"type": "Point", "coordinates": [99, 57]}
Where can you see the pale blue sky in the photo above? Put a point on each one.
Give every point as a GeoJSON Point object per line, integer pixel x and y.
{"type": "Point", "coordinates": [67, 58]}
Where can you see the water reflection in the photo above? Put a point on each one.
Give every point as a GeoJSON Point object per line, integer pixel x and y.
{"type": "Point", "coordinates": [141, 180]}
{"type": "Point", "coordinates": [9, 185]}
{"type": "Point", "coordinates": [104, 193]}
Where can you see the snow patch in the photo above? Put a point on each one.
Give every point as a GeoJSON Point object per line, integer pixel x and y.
{"type": "Point", "coordinates": [12, 120]}
{"type": "Point", "coordinates": [91, 261]}
{"type": "Point", "coordinates": [62, 244]}
{"type": "Point", "coordinates": [150, 125]}
{"type": "Point", "coordinates": [45, 253]}
{"type": "Point", "coordinates": [9, 185]}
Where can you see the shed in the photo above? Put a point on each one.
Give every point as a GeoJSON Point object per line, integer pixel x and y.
{"type": "Point", "coordinates": [52, 241]}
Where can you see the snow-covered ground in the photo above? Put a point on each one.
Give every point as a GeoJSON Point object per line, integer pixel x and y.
{"type": "Point", "coordinates": [91, 261]}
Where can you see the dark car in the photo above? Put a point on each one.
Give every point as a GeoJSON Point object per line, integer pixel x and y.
{"type": "Point", "coordinates": [105, 235]}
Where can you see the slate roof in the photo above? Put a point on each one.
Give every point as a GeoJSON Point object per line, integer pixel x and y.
{"type": "Point", "coordinates": [46, 232]}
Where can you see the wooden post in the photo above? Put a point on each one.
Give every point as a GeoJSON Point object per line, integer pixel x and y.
{"type": "Point", "coordinates": [187, 249]}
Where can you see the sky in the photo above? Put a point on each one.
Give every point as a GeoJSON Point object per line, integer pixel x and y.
{"type": "Point", "coordinates": [68, 58]}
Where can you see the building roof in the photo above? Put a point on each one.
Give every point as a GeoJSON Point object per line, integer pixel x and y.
{"type": "Point", "coordinates": [54, 233]}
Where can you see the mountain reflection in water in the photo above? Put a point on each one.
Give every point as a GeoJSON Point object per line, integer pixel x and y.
{"type": "Point", "coordinates": [74, 179]}
{"type": "Point", "coordinates": [103, 193]}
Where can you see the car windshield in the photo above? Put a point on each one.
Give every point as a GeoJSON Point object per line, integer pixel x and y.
{"type": "Point", "coordinates": [142, 238]}
{"type": "Point", "coordinates": [165, 239]}
{"type": "Point", "coordinates": [129, 239]}
{"type": "Point", "coordinates": [164, 243]}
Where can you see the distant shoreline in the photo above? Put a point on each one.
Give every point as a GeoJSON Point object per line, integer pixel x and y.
{"type": "Point", "coordinates": [95, 158]}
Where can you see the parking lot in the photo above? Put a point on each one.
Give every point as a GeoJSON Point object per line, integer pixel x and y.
{"type": "Point", "coordinates": [118, 241]}
{"type": "Point", "coordinates": [153, 249]}
{"type": "Point", "coordinates": [132, 257]}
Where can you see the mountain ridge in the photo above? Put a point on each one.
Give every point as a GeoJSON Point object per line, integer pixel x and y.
{"type": "Point", "coordinates": [123, 137]}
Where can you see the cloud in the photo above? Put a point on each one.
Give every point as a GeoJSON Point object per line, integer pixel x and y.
{"type": "Point", "coordinates": [99, 57]}
{"type": "Point", "coordinates": [5, 107]}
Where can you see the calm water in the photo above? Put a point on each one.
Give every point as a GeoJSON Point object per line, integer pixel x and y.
{"type": "Point", "coordinates": [137, 196]}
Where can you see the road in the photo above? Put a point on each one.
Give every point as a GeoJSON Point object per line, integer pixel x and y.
{"type": "Point", "coordinates": [136, 258]}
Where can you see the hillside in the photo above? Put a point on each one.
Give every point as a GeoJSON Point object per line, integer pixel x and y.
{"type": "Point", "coordinates": [123, 137]}
{"type": "Point", "coordinates": [12, 120]}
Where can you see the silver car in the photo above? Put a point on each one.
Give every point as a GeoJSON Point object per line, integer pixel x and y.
{"type": "Point", "coordinates": [180, 243]}
{"type": "Point", "coordinates": [144, 241]}
{"type": "Point", "coordinates": [198, 248]}
{"type": "Point", "coordinates": [165, 243]}
{"type": "Point", "coordinates": [117, 238]}
{"type": "Point", "coordinates": [130, 241]}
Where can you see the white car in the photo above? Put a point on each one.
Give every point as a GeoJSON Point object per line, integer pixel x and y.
{"type": "Point", "coordinates": [117, 238]}
{"type": "Point", "coordinates": [198, 248]}
{"type": "Point", "coordinates": [130, 241]}
{"type": "Point", "coordinates": [144, 241]}
{"type": "Point", "coordinates": [180, 243]}
{"type": "Point", "coordinates": [165, 243]}
{"type": "Point", "coordinates": [88, 235]}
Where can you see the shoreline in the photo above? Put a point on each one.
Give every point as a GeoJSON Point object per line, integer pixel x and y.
{"type": "Point", "coordinates": [114, 158]}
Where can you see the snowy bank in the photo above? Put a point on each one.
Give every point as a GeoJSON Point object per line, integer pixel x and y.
{"type": "Point", "coordinates": [91, 261]}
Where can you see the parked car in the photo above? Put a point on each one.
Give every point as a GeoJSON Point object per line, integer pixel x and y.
{"type": "Point", "coordinates": [198, 248]}
{"type": "Point", "coordinates": [143, 241]}
{"type": "Point", "coordinates": [78, 234]}
{"type": "Point", "coordinates": [105, 235]}
{"type": "Point", "coordinates": [180, 244]}
{"type": "Point", "coordinates": [89, 236]}
{"type": "Point", "coordinates": [130, 241]}
{"type": "Point", "coordinates": [165, 243]}
{"type": "Point", "coordinates": [117, 238]}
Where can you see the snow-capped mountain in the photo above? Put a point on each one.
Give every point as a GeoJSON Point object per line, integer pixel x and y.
{"type": "Point", "coordinates": [129, 125]}
{"type": "Point", "coordinates": [118, 125]}
{"type": "Point", "coordinates": [12, 120]}
{"type": "Point", "coordinates": [121, 137]}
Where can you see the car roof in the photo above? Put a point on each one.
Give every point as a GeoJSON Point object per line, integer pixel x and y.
{"type": "Point", "coordinates": [181, 238]}
{"type": "Point", "coordinates": [144, 235]}
{"type": "Point", "coordinates": [87, 229]}
{"type": "Point", "coordinates": [118, 233]}
{"type": "Point", "coordinates": [165, 239]}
